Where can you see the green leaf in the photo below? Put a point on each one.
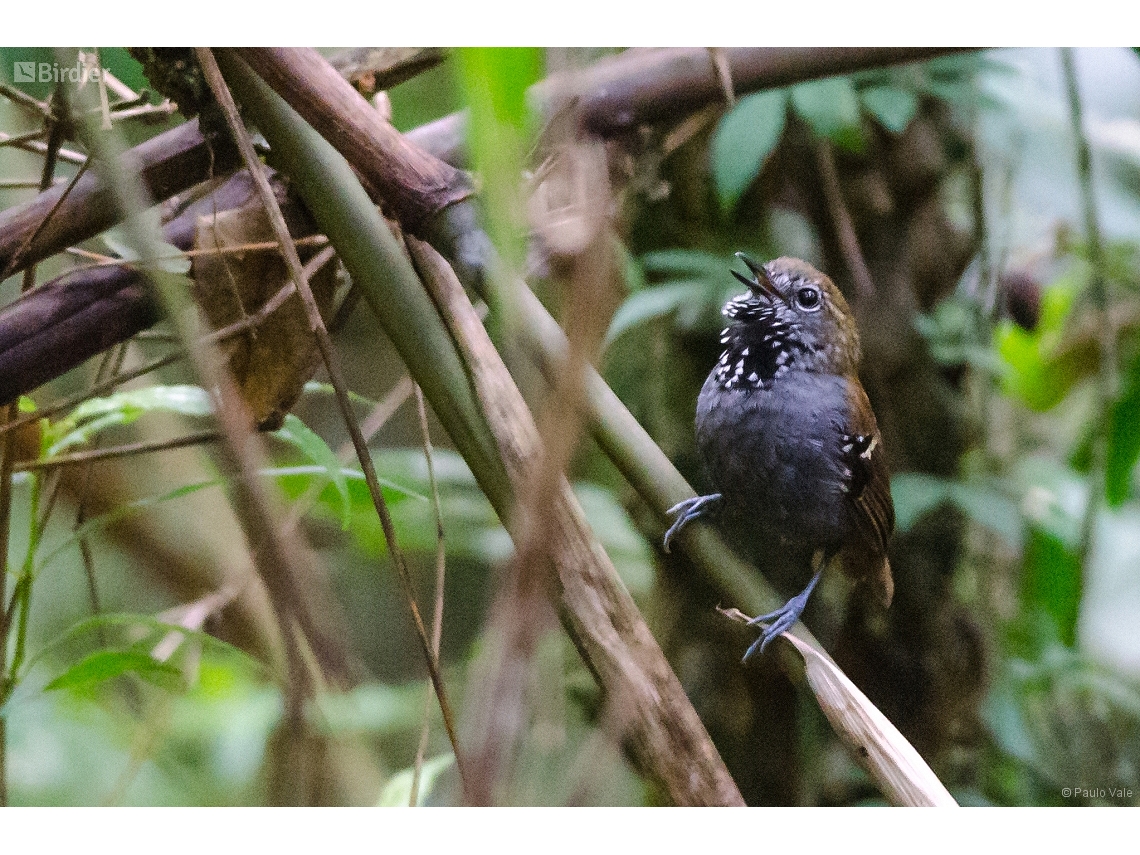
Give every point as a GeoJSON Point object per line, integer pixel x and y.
{"type": "Point", "coordinates": [301, 436]}
{"type": "Point", "coordinates": [123, 408]}
{"type": "Point", "coordinates": [104, 665]}
{"type": "Point", "coordinates": [1123, 439]}
{"type": "Point", "coordinates": [398, 791]}
{"type": "Point", "coordinates": [742, 142]}
{"type": "Point", "coordinates": [914, 494]}
{"type": "Point", "coordinates": [1040, 368]}
{"type": "Point", "coordinates": [495, 82]}
{"type": "Point", "coordinates": [831, 108]}
{"type": "Point", "coordinates": [625, 546]}
{"type": "Point", "coordinates": [315, 387]}
{"type": "Point", "coordinates": [1052, 580]}
{"type": "Point", "coordinates": [97, 627]}
{"type": "Point", "coordinates": [893, 108]}
{"type": "Point", "coordinates": [679, 263]}
{"type": "Point", "coordinates": [651, 303]}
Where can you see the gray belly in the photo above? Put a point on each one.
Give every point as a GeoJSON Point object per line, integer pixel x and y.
{"type": "Point", "coordinates": [775, 456]}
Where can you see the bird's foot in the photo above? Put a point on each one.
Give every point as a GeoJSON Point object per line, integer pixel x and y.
{"type": "Point", "coordinates": [688, 511]}
{"type": "Point", "coordinates": [780, 621]}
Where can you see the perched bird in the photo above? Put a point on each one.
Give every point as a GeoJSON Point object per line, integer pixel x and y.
{"type": "Point", "coordinates": [789, 440]}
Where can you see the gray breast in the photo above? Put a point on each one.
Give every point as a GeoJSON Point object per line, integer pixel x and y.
{"type": "Point", "coordinates": [775, 456]}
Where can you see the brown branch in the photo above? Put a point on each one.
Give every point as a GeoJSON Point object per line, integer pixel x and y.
{"type": "Point", "coordinates": [416, 185]}
{"type": "Point", "coordinates": [440, 578]}
{"type": "Point", "coordinates": [635, 88]}
{"type": "Point", "coordinates": [841, 219]}
{"type": "Point", "coordinates": [282, 560]}
{"type": "Point", "coordinates": [658, 722]}
{"type": "Point", "coordinates": [167, 164]}
{"type": "Point", "coordinates": [225, 99]}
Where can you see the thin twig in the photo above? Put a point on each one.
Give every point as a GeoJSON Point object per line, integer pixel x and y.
{"type": "Point", "coordinates": [109, 367]}
{"type": "Point", "coordinates": [129, 449]}
{"type": "Point", "coordinates": [20, 139]}
{"type": "Point", "coordinates": [1098, 292]}
{"type": "Point", "coordinates": [283, 562]}
{"type": "Point", "coordinates": [440, 577]}
{"type": "Point", "coordinates": [229, 331]}
{"type": "Point", "coordinates": [23, 99]}
{"type": "Point", "coordinates": [724, 72]}
{"type": "Point", "coordinates": [25, 184]}
{"type": "Point", "coordinates": [841, 219]}
{"type": "Point", "coordinates": [261, 246]}
{"type": "Point", "coordinates": [6, 467]}
{"type": "Point", "coordinates": [375, 420]}
{"type": "Point", "coordinates": [37, 146]}
{"type": "Point", "coordinates": [22, 594]}
{"type": "Point", "coordinates": [225, 99]}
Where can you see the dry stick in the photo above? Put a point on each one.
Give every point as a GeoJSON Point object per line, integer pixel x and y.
{"type": "Point", "coordinates": [110, 366]}
{"type": "Point", "coordinates": [221, 334]}
{"type": "Point", "coordinates": [1098, 290]}
{"type": "Point", "coordinates": [666, 736]}
{"type": "Point", "coordinates": [14, 261]}
{"type": "Point", "coordinates": [129, 449]}
{"type": "Point", "coordinates": [17, 184]}
{"type": "Point", "coordinates": [724, 72]}
{"type": "Point", "coordinates": [841, 219]}
{"type": "Point", "coordinates": [20, 139]}
{"type": "Point", "coordinates": [416, 185]}
{"type": "Point", "coordinates": [9, 450]}
{"type": "Point", "coordinates": [225, 99]}
{"type": "Point", "coordinates": [278, 557]}
{"type": "Point", "coordinates": [22, 99]}
{"type": "Point", "coordinates": [440, 577]}
{"type": "Point", "coordinates": [618, 93]}
{"type": "Point", "coordinates": [522, 611]}
{"type": "Point", "coordinates": [260, 246]}
{"type": "Point", "coordinates": [7, 679]}
{"type": "Point", "coordinates": [663, 730]}
{"type": "Point", "coordinates": [36, 146]}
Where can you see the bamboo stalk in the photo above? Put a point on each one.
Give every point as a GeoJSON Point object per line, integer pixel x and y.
{"type": "Point", "coordinates": [664, 731]}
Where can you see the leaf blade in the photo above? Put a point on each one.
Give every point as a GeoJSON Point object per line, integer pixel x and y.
{"type": "Point", "coordinates": [743, 139]}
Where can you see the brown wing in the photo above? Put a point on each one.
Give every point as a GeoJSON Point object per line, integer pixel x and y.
{"type": "Point", "coordinates": [872, 513]}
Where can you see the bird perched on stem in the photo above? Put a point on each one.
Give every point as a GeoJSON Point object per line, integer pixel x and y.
{"type": "Point", "coordinates": [789, 440]}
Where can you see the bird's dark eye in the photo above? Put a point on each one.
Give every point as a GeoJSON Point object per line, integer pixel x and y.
{"type": "Point", "coordinates": [808, 299]}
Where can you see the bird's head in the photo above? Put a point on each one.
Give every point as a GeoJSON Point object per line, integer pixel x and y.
{"type": "Point", "coordinates": [792, 317]}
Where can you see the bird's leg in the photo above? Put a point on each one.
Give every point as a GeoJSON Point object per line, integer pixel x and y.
{"type": "Point", "coordinates": [782, 619]}
{"type": "Point", "coordinates": [688, 511]}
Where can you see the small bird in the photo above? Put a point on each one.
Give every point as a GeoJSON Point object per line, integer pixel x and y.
{"type": "Point", "coordinates": [789, 440]}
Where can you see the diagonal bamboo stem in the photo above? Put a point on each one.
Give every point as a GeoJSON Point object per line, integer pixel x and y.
{"type": "Point", "coordinates": [332, 364]}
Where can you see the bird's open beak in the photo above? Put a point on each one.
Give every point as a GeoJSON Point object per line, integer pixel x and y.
{"type": "Point", "coordinates": [761, 284]}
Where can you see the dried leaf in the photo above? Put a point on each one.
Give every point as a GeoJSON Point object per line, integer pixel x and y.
{"type": "Point", "coordinates": [271, 363]}
{"type": "Point", "coordinates": [893, 762]}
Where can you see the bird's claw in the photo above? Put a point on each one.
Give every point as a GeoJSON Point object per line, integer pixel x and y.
{"type": "Point", "coordinates": [781, 620]}
{"type": "Point", "coordinates": [688, 511]}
